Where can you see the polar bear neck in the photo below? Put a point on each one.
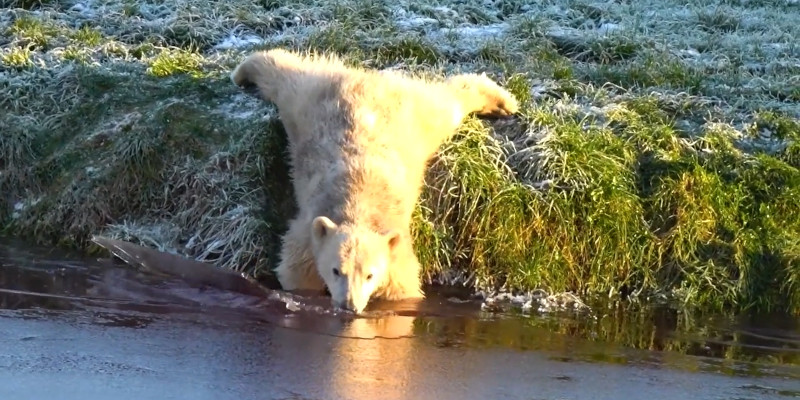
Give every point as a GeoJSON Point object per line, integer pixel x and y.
{"type": "Point", "coordinates": [372, 206]}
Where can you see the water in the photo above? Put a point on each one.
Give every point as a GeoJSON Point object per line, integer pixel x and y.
{"type": "Point", "coordinates": [77, 327]}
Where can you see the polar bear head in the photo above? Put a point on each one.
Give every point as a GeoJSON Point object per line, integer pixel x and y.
{"type": "Point", "coordinates": [353, 261]}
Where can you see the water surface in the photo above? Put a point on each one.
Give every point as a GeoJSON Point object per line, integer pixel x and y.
{"type": "Point", "coordinates": [79, 327]}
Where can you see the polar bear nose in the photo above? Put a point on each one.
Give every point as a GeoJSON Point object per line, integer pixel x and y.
{"type": "Point", "coordinates": [350, 305]}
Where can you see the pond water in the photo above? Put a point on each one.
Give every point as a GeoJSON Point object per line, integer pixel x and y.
{"type": "Point", "coordinates": [88, 328]}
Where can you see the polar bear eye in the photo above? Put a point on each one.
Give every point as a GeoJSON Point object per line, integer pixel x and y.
{"type": "Point", "coordinates": [369, 277]}
{"type": "Point", "coordinates": [336, 271]}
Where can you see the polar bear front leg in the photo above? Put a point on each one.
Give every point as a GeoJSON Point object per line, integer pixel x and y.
{"type": "Point", "coordinates": [403, 279]}
{"type": "Point", "coordinates": [274, 73]}
{"type": "Point", "coordinates": [404, 287]}
{"type": "Point", "coordinates": [481, 95]}
{"type": "Point", "coordinates": [297, 269]}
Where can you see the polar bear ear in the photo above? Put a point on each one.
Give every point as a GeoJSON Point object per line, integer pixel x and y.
{"type": "Point", "coordinates": [393, 239]}
{"type": "Point", "coordinates": [322, 226]}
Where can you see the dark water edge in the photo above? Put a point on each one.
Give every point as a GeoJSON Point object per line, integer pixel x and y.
{"type": "Point", "coordinates": [64, 313]}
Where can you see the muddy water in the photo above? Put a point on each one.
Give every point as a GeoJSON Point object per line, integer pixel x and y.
{"type": "Point", "coordinates": [74, 327]}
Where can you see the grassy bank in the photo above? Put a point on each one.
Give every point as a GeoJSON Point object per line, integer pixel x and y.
{"type": "Point", "coordinates": [656, 157]}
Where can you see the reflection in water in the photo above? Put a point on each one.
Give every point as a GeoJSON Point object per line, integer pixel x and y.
{"type": "Point", "coordinates": [116, 294]}
{"type": "Point", "coordinates": [371, 361]}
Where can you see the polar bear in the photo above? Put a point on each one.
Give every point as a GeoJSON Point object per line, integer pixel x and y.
{"type": "Point", "coordinates": [359, 144]}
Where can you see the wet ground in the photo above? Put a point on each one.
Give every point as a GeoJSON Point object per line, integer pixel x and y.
{"type": "Point", "coordinates": [76, 327]}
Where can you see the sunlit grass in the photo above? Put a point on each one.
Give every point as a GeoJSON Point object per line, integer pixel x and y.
{"type": "Point", "coordinates": [17, 58]}
{"type": "Point", "coordinates": [170, 62]}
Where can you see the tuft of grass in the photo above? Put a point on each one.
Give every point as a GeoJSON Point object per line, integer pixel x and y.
{"type": "Point", "coordinates": [654, 70]}
{"type": "Point", "coordinates": [366, 14]}
{"type": "Point", "coordinates": [494, 53]}
{"type": "Point", "coordinates": [717, 21]}
{"type": "Point", "coordinates": [791, 154]}
{"type": "Point", "coordinates": [87, 36]}
{"type": "Point", "coordinates": [176, 61]}
{"type": "Point", "coordinates": [337, 38]}
{"type": "Point", "coordinates": [776, 124]}
{"type": "Point", "coordinates": [603, 50]}
{"type": "Point", "coordinates": [464, 162]}
{"type": "Point", "coordinates": [32, 33]}
{"type": "Point", "coordinates": [413, 50]}
{"type": "Point", "coordinates": [343, 40]}
{"type": "Point", "coordinates": [519, 85]}
{"type": "Point", "coordinates": [508, 233]}
{"type": "Point", "coordinates": [17, 57]}
{"type": "Point", "coordinates": [130, 8]}
{"type": "Point", "coordinates": [74, 53]}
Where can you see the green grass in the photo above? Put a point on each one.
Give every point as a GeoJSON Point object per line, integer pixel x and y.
{"type": "Point", "coordinates": [87, 36]}
{"type": "Point", "coordinates": [31, 32]}
{"type": "Point", "coordinates": [656, 156]}
{"type": "Point", "coordinates": [170, 62]}
{"type": "Point", "coordinates": [17, 58]}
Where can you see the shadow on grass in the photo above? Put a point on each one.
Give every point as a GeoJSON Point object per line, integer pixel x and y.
{"type": "Point", "coordinates": [160, 161]}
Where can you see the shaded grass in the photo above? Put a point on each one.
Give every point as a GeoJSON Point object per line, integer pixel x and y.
{"type": "Point", "coordinates": [717, 21]}
{"type": "Point", "coordinates": [115, 161]}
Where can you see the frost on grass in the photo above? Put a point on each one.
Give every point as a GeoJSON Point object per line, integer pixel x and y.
{"type": "Point", "coordinates": [656, 156]}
